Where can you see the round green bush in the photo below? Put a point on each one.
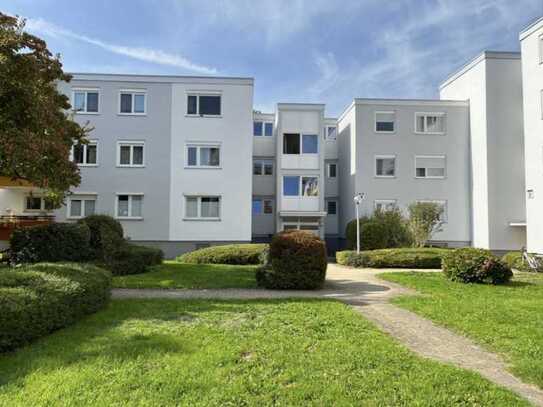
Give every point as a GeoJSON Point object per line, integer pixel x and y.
{"type": "Point", "coordinates": [237, 254]}
{"type": "Point", "coordinates": [471, 265]}
{"type": "Point", "coordinates": [36, 300]}
{"type": "Point", "coordinates": [420, 258]}
{"type": "Point", "coordinates": [381, 230]}
{"type": "Point", "coordinates": [133, 259]}
{"type": "Point", "coordinates": [106, 235]}
{"type": "Point", "coordinates": [297, 260]}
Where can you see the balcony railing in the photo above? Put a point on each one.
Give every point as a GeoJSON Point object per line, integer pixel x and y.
{"type": "Point", "coordinates": [8, 223]}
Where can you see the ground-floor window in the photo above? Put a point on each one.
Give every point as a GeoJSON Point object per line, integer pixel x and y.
{"type": "Point", "coordinates": [79, 207]}
{"type": "Point", "coordinates": [129, 206]}
{"type": "Point", "coordinates": [262, 206]}
{"type": "Point", "coordinates": [202, 207]}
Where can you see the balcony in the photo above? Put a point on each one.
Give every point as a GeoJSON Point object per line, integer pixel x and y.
{"type": "Point", "coordinates": [9, 223]}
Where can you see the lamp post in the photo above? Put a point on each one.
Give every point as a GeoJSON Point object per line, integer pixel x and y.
{"type": "Point", "coordinates": [358, 198]}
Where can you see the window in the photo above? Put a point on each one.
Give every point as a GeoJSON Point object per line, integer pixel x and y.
{"type": "Point", "coordinates": [385, 122]}
{"type": "Point", "coordinates": [262, 206]}
{"type": "Point", "coordinates": [330, 133]}
{"type": "Point", "coordinates": [443, 204]}
{"type": "Point", "coordinates": [263, 167]}
{"type": "Point", "coordinates": [132, 102]}
{"type": "Point", "coordinates": [430, 166]}
{"type": "Point", "coordinates": [332, 170]}
{"type": "Point", "coordinates": [300, 186]}
{"type": "Point", "coordinates": [430, 123]}
{"type": "Point", "coordinates": [203, 156]}
{"type": "Point", "coordinates": [258, 129]}
{"type": "Point", "coordinates": [310, 186]}
{"type": "Point", "coordinates": [268, 129]}
{"type": "Point", "coordinates": [385, 204]}
{"type": "Point", "coordinates": [130, 153]}
{"type": "Point", "coordinates": [204, 105]}
{"type": "Point", "coordinates": [130, 206]}
{"type": "Point", "coordinates": [37, 204]}
{"type": "Point", "coordinates": [310, 144]}
{"type": "Point", "coordinates": [85, 100]}
{"type": "Point", "coordinates": [85, 154]}
{"type": "Point", "coordinates": [385, 166]}
{"type": "Point", "coordinates": [262, 128]}
{"type": "Point", "coordinates": [79, 207]}
{"type": "Point", "coordinates": [203, 207]}
{"type": "Point", "coordinates": [291, 186]}
{"type": "Point", "coordinates": [291, 143]}
{"type": "Point", "coordinates": [332, 207]}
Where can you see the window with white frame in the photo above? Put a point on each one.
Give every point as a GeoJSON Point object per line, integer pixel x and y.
{"type": "Point", "coordinates": [385, 204]}
{"type": "Point", "coordinates": [262, 206]}
{"type": "Point", "coordinates": [36, 203]}
{"type": "Point", "coordinates": [443, 217]}
{"type": "Point", "coordinates": [262, 167]}
{"type": "Point", "coordinates": [292, 142]}
{"type": "Point", "coordinates": [203, 207]}
{"type": "Point", "coordinates": [331, 207]}
{"type": "Point", "coordinates": [130, 154]}
{"type": "Point", "coordinates": [330, 133]}
{"type": "Point", "coordinates": [332, 170]}
{"type": "Point", "coordinates": [262, 128]}
{"type": "Point", "coordinates": [385, 122]}
{"type": "Point", "coordinates": [133, 102]}
{"type": "Point", "coordinates": [85, 154]}
{"type": "Point", "coordinates": [129, 206]}
{"type": "Point", "coordinates": [203, 155]}
{"type": "Point", "coordinates": [81, 206]}
{"type": "Point", "coordinates": [305, 186]}
{"type": "Point", "coordinates": [430, 123]}
{"type": "Point", "coordinates": [203, 104]}
{"type": "Point", "coordinates": [385, 166]}
{"type": "Point", "coordinates": [430, 166]}
{"type": "Point", "coordinates": [85, 100]}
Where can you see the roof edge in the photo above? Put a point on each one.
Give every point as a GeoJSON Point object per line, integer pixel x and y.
{"type": "Point", "coordinates": [531, 28]}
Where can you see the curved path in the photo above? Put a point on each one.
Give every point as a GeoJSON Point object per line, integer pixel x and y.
{"type": "Point", "coordinates": [370, 296]}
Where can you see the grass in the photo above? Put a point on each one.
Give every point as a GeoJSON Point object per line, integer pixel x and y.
{"type": "Point", "coordinates": [506, 319]}
{"type": "Point", "coordinates": [230, 353]}
{"type": "Point", "coordinates": [177, 275]}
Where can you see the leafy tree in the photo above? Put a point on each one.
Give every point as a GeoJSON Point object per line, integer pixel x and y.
{"type": "Point", "coordinates": [424, 221]}
{"type": "Point", "coordinates": [36, 133]}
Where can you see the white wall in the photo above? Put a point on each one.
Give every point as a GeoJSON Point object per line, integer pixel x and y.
{"type": "Point", "coordinates": [532, 75]}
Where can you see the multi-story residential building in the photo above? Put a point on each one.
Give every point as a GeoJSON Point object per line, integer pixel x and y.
{"type": "Point", "coordinates": [185, 162]}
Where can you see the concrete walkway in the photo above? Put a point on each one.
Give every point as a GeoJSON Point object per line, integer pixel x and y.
{"type": "Point", "coordinates": [370, 296]}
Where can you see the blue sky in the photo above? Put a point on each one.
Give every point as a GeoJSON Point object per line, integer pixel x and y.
{"type": "Point", "coordinates": [297, 51]}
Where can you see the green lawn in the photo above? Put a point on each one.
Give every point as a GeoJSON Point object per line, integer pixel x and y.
{"type": "Point", "coordinates": [177, 275]}
{"type": "Point", "coordinates": [506, 319]}
{"type": "Point", "coordinates": [232, 353]}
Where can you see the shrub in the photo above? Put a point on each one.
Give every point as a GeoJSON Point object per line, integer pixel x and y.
{"type": "Point", "coordinates": [106, 236]}
{"type": "Point", "coordinates": [515, 261]}
{"type": "Point", "coordinates": [470, 265]}
{"type": "Point", "coordinates": [424, 221]}
{"type": "Point", "coordinates": [423, 258]}
{"type": "Point", "coordinates": [36, 300]}
{"type": "Point", "coordinates": [383, 229]}
{"type": "Point", "coordinates": [133, 259]}
{"type": "Point", "coordinates": [228, 254]}
{"type": "Point", "coordinates": [49, 243]}
{"type": "Point", "coordinates": [297, 260]}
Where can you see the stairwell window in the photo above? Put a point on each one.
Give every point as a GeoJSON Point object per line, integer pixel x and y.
{"type": "Point", "coordinates": [85, 155]}
{"type": "Point", "coordinates": [332, 170]}
{"type": "Point", "coordinates": [130, 154]}
{"type": "Point", "coordinates": [203, 104]}
{"type": "Point", "coordinates": [261, 128]}
{"type": "Point", "coordinates": [132, 102]}
{"type": "Point", "coordinates": [129, 206]}
{"type": "Point", "coordinates": [85, 101]}
{"type": "Point", "coordinates": [263, 167]}
{"type": "Point", "coordinates": [430, 166]}
{"type": "Point", "coordinates": [203, 156]}
{"type": "Point", "coordinates": [385, 166]}
{"type": "Point", "coordinates": [385, 122]}
{"type": "Point", "coordinates": [262, 206]}
{"type": "Point", "coordinates": [202, 207]}
{"type": "Point", "coordinates": [430, 123]}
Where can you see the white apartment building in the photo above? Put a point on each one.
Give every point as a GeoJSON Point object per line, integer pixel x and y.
{"type": "Point", "coordinates": [184, 162]}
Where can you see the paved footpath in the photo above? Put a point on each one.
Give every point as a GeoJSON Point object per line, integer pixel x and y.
{"type": "Point", "coordinates": [370, 296]}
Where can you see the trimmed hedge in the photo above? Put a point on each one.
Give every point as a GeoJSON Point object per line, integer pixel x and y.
{"type": "Point", "coordinates": [133, 259]}
{"type": "Point", "coordinates": [297, 260]}
{"type": "Point", "coordinates": [238, 254]}
{"type": "Point", "coordinates": [106, 236]}
{"type": "Point", "coordinates": [470, 265]}
{"type": "Point", "coordinates": [423, 258]}
{"type": "Point", "coordinates": [50, 243]}
{"type": "Point", "coordinates": [36, 300]}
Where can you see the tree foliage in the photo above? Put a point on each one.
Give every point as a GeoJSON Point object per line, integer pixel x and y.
{"type": "Point", "coordinates": [36, 134]}
{"type": "Point", "coordinates": [424, 221]}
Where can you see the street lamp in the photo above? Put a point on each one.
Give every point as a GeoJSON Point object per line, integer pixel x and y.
{"type": "Point", "coordinates": [358, 198]}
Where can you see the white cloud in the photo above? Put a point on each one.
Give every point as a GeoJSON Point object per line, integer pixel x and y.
{"type": "Point", "coordinates": [42, 27]}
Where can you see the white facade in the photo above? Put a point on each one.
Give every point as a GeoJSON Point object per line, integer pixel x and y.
{"type": "Point", "coordinates": [532, 75]}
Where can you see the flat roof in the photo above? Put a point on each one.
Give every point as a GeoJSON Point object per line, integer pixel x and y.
{"type": "Point", "coordinates": [114, 77]}
{"type": "Point", "coordinates": [531, 28]}
{"type": "Point", "coordinates": [300, 106]}
{"type": "Point", "coordinates": [475, 61]}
